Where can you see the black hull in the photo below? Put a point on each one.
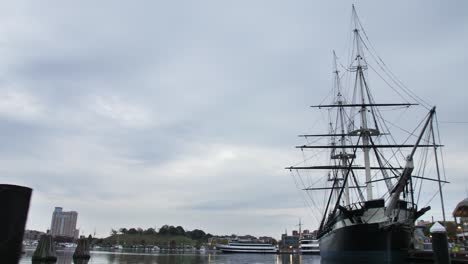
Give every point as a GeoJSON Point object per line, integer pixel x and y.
{"type": "Point", "coordinates": [310, 253]}
{"type": "Point", "coordinates": [367, 242]}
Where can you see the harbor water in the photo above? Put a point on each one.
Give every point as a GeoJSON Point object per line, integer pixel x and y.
{"type": "Point", "coordinates": [212, 257]}
{"type": "Point", "coordinates": [133, 257]}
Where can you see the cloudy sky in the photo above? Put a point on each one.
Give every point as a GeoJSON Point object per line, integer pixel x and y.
{"type": "Point", "coordinates": [140, 114]}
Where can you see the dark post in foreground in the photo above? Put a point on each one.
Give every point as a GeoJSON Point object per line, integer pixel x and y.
{"type": "Point", "coordinates": [440, 244]}
{"type": "Point", "coordinates": [14, 201]}
{"type": "Point", "coordinates": [45, 250]}
{"type": "Point", "coordinates": [82, 250]}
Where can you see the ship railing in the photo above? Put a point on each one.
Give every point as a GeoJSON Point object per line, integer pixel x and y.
{"type": "Point", "coordinates": [360, 205]}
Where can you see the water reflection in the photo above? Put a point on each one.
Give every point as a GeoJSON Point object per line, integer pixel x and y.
{"type": "Point", "coordinates": [132, 257]}
{"type": "Point", "coordinates": [63, 257]}
{"type": "Point", "coordinates": [357, 259]}
{"type": "Point", "coordinates": [81, 261]}
{"type": "Point", "coordinates": [289, 259]}
{"type": "Point", "coordinates": [159, 259]}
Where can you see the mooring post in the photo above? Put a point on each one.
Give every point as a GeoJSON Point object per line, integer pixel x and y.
{"type": "Point", "coordinates": [82, 250]}
{"type": "Point", "coordinates": [14, 201]}
{"type": "Point", "coordinates": [45, 250]}
{"type": "Point", "coordinates": [440, 244]}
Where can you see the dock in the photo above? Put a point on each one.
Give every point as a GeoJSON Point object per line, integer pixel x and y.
{"type": "Point", "coordinates": [428, 256]}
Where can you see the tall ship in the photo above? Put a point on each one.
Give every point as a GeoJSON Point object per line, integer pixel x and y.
{"type": "Point", "coordinates": [373, 162]}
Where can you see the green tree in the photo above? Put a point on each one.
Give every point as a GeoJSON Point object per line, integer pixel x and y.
{"type": "Point", "coordinates": [164, 230]}
{"type": "Point", "coordinates": [450, 227]}
{"type": "Point", "coordinates": [140, 231]}
{"type": "Point", "coordinates": [172, 230]}
{"type": "Point", "coordinates": [451, 230]}
{"type": "Point", "coordinates": [180, 231]}
{"type": "Point", "coordinates": [196, 234]}
{"type": "Point", "coordinates": [150, 231]}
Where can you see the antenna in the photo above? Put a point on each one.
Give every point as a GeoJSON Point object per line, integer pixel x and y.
{"type": "Point", "coordinates": [300, 228]}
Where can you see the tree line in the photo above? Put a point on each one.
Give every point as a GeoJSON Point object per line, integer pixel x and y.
{"type": "Point", "coordinates": [165, 230]}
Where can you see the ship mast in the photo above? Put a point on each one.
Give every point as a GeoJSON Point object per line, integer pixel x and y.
{"type": "Point", "coordinates": [342, 156]}
{"type": "Point", "coordinates": [364, 131]}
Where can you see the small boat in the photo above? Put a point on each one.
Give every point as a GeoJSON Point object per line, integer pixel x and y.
{"type": "Point", "coordinates": [118, 247]}
{"type": "Point", "coordinates": [309, 246]}
{"type": "Point", "coordinates": [156, 248]}
{"type": "Point", "coordinates": [247, 247]}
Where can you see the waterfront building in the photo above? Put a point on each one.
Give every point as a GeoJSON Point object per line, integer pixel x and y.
{"type": "Point", "coordinates": [224, 240]}
{"type": "Point", "coordinates": [267, 239]}
{"type": "Point", "coordinates": [246, 238]}
{"type": "Point", "coordinates": [424, 223]}
{"type": "Point", "coordinates": [461, 212]}
{"type": "Point", "coordinates": [291, 242]}
{"type": "Point", "coordinates": [64, 223]}
{"type": "Point", "coordinates": [32, 235]}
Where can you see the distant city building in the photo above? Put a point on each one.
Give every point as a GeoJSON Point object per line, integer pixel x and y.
{"type": "Point", "coordinates": [246, 238]}
{"type": "Point", "coordinates": [309, 235]}
{"type": "Point", "coordinates": [267, 239]}
{"type": "Point", "coordinates": [64, 223]}
{"type": "Point", "coordinates": [32, 235]}
{"type": "Point", "coordinates": [423, 223]}
{"type": "Point", "coordinates": [291, 242]}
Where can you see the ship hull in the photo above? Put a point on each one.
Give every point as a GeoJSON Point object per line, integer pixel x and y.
{"type": "Point", "coordinates": [310, 252]}
{"type": "Point", "coordinates": [367, 242]}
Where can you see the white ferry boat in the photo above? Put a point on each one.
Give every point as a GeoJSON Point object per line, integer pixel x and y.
{"type": "Point", "coordinates": [309, 246]}
{"type": "Point", "coordinates": [247, 247]}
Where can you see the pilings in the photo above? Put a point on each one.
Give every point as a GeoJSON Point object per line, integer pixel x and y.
{"type": "Point", "coordinates": [440, 244]}
{"type": "Point", "coordinates": [14, 204]}
{"type": "Point", "coordinates": [45, 250]}
{"type": "Point", "coordinates": [82, 250]}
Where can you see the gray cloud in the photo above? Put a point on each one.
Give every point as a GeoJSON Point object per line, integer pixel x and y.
{"type": "Point", "coordinates": [142, 114]}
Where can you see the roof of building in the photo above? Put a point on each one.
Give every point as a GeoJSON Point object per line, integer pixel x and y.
{"type": "Point", "coordinates": [462, 209]}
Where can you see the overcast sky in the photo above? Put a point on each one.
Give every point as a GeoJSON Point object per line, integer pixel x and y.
{"type": "Point", "coordinates": [140, 114]}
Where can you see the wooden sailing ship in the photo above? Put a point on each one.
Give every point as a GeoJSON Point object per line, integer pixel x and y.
{"type": "Point", "coordinates": [362, 155]}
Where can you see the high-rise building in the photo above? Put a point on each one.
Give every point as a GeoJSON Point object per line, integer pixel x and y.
{"type": "Point", "coordinates": [64, 223]}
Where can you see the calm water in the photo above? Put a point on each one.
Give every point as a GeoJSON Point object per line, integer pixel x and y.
{"type": "Point", "coordinates": [129, 257]}
{"type": "Point", "coordinates": [65, 257]}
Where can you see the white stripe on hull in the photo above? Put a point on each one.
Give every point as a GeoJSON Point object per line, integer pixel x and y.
{"type": "Point", "coordinates": [247, 248]}
{"type": "Point", "coordinates": [247, 251]}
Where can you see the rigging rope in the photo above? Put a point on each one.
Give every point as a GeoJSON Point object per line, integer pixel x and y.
{"type": "Point", "coordinates": [386, 69]}
{"type": "Point", "coordinates": [306, 203]}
